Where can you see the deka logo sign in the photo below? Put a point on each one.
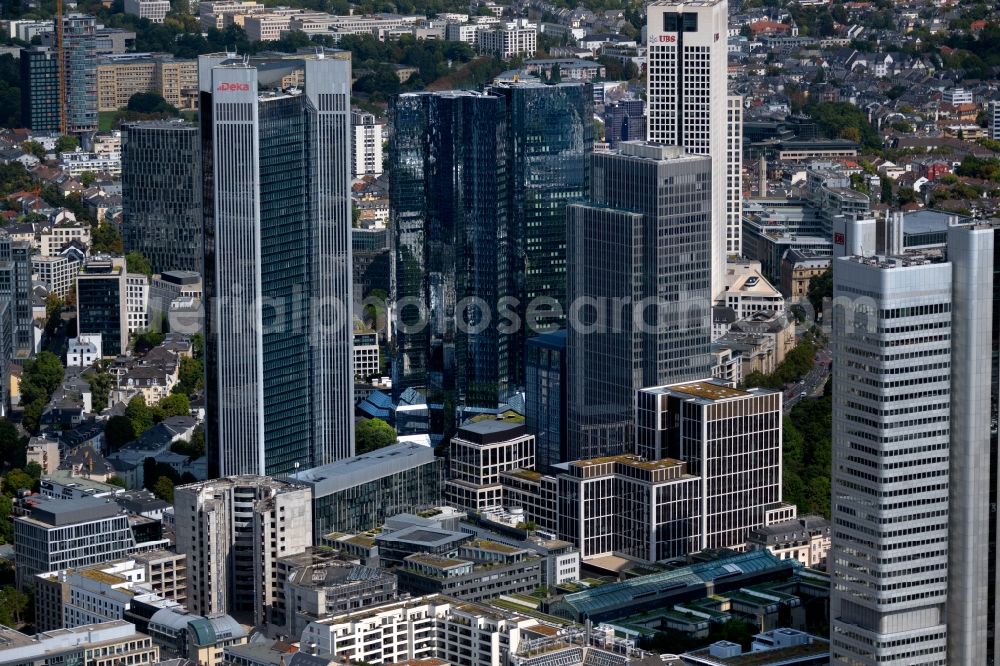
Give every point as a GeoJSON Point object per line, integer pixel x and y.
{"type": "Point", "coordinates": [233, 87]}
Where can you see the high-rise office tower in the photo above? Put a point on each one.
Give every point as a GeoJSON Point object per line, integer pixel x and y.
{"type": "Point", "coordinates": [545, 397]}
{"type": "Point", "coordinates": [276, 144]}
{"type": "Point", "coordinates": [233, 530]}
{"type": "Point", "coordinates": [15, 287]}
{"type": "Point", "coordinates": [161, 194]}
{"type": "Point", "coordinates": [80, 73]}
{"type": "Point", "coordinates": [687, 96]}
{"type": "Point", "coordinates": [639, 284]}
{"type": "Point", "coordinates": [892, 377]}
{"type": "Point", "coordinates": [730, 439]}
{"type": "Point", "coordinates": [624, 120]}
{"type": "Point", "coordinates": [40, 89]}
{"type": "Point", "coordinates": [479, 187]}
{"type": "Point", "coordinates": [101, 302]}
{"type": "Point", "coordinates": [734, 176]}
{"type": "Point", "coordinates": [551, 136]}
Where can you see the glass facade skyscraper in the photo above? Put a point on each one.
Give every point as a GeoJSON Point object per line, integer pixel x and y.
{"type": "Point", "coordinates": [277, 261]}
{"type": "Point", "coordinates": [479, 186]}
{"type": "Point", "coordinates": [545, 397]}
{"type": "Point", "coordinates": [161, 194]}
{"type": "Point", "coordinates": [40, 89]}
{"type": "Point", "coordinates": [639, 283]}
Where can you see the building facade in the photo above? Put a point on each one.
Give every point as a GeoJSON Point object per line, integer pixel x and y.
{"type": "Point", "coordinates": [59, 534]}
{"type": "Point", "coordinates": [477, 216]}
{"type": "Point", "coordinates": [477, 454]}
{"type": "Point", "coordinates": [153, 10]}
{"type": "Point", "coordinates": [40, 106]}
{"type": "Point", "coordinates": [104, 644]}
{"type": "Point", "coordinates": [624, 120]}
{"type": "Point", "coordinates": [357, 494]}
{"type": "Point", "coordinates": [174, 80]}
{"type": "Point", "coordinates": [366, 146]}
{"type": "Point", "coordinates": [545, 387]}
{"type": "Point", "coordinates": [232, 531]}
{"type": "Point", "coordinates": [892, 333]}
{"type": "Point", "coordinates": [161, 194]}
{"type": "Point", "coordinates": [687, 97]}
{"type": "Point", "coordinates": [15, 287]}
{"type": "Point", "coordinates": [58, 273]}
{"type": "Point", "coordinates": [276, 160]}
{"type": "Point", "coordinates": [730, 439]}
{"type": "Point", "coordinates": [80, 73]}
{"type": "Point", "coordinates": [101, 302]}
{"type": "Point", "coordinates": [734, 176]}
{"type": "Point", "coordinates": [639, 255]}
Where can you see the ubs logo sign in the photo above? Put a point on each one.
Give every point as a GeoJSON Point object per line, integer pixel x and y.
{"type": "Point", "coordinates": [663, 39]}
{"type": "Point", "coordinates": [233, 87]}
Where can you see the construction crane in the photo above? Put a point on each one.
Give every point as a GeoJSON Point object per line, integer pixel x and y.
{"type": "Point", "coordinates": [61, 56]}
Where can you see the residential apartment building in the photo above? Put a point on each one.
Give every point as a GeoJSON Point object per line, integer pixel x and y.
{"type": "Point", "coordinates": [806, 539]}
{"type": "Point", "coordinates": [80, 72]}
{"type": "Point", "coordinates": [366, 144]}
{"type": "Point", "coordinates": [137, 302]}
{"type": "Point", "coordinates": [101, 302]}
{"type": "Point", "coordinates": [277, 224]}
{"type": "Point", "coordinates": [687, 98]}
{"type": "Point", "coordinates": [58, 273]}
{"type": "Point", "coordinates": [893, 329]}
{"type": "Point", "coordinates": [59, 534]}
{"type": "Point", "coordinates": [433, 627]}
{"type": "Point", "coordinates": [233, 530]}
{"type": "Point", "coordinates": [478, 453]}
{"type": "Point", "coordinates": [54, 238]}
{"type": "Point", "coordinates": [514, 38]}
{"type": "Point", "coordinates": [634, 241]}
{"type": "Point", "coordinates": [104, 644]}
{"type": "Point", "coordinates": [357, 494]}
{"type": "Point", "coordinates": [119, 78]}
{"type": "Point", "coordinates": [162, 194]}
{"type": "Point", "coordinates": [40, 107]}
{"type": "Point", "coordinates": [153, 10]}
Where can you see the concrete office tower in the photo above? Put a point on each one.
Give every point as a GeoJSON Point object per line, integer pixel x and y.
{"type": "Point", "coordinates": [644, 238]}
{"type": "Point", "coordinates": [687, 97]}
{"type": "Point", "coordinates": [730, 439]}
{"type": "Point", "coordinates": [971, 570]}
{"type": "Point", "coordinates": [233, 530]}
{"type": "Point", "coordinates": [161, 194]}
{"type": "Point", "coordinates": [734, 176]}
{"type": "Point", "coordinates": [478, 193]}
{"type": "Point", "coordinates": [80, 73]}
{"type": "Point", "coordinates": [993, 124]}
{"type": "Point", "coordinates": [275, 136]}
{"type": "Point", "coordinates": [40, 89]}
{"type": "Point", "coordinates": [892, 345]}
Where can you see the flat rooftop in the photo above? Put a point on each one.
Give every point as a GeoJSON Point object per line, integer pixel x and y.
{"type": "Point", "coordinates": [707, 390]}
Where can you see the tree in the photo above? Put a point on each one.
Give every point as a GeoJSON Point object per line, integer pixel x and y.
{"type": "Point", "coordinates": [13, 604]}
{"type": "Point", "coordinates": [6, 525]}
{"type": "Point", "coordinates": [150, 103]}
{"type": "Point", "coordinates": [106, 238]}
{"type": "Point", "coordinates": [164, 489]}
{"type": "Point", "coordinates": [118, 432]}
{"type": "Point", "coordinates": [42, 376]}
{"type": "Point", "coordinates": [139, 415]}
{"type": "Point", "coordinates": [87, 178]}
{"type": "Point", "coordinates": [820, 286]}
{"type": "Point", "coordinates": [136, 262]}
{"type": "Point", "coordinates": [117, 481]}
{"type": "Point", "coordinates": [12, 447]}
{"type": "Point", "coordinates": [175, 404]}
{"type": "Point", "coordinates": [147, 340]}
{"type": "Point", "coordinates": [906, 195]}
{"type": "Point", "coordinates": [32, 417]}
{"type": "Point", "coordinates": [373, 434]}
{"type": "Point", "coordinates": [34, 148]}
{"type": "Point", "coordinates": [15, 480]}
{"type": "Point", "coordinates": [101, 383]}
{"type": "Point", "coordinates": [67, 144]}
{"type": "Point", "coordinates": [191, 376]}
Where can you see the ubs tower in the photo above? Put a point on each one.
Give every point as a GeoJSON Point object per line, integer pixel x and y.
{"type": "Point", "coordinates": [275, 138]}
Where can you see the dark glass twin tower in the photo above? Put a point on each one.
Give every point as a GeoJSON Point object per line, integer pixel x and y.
{"type": "Point", "coordinates": [479, 188]}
